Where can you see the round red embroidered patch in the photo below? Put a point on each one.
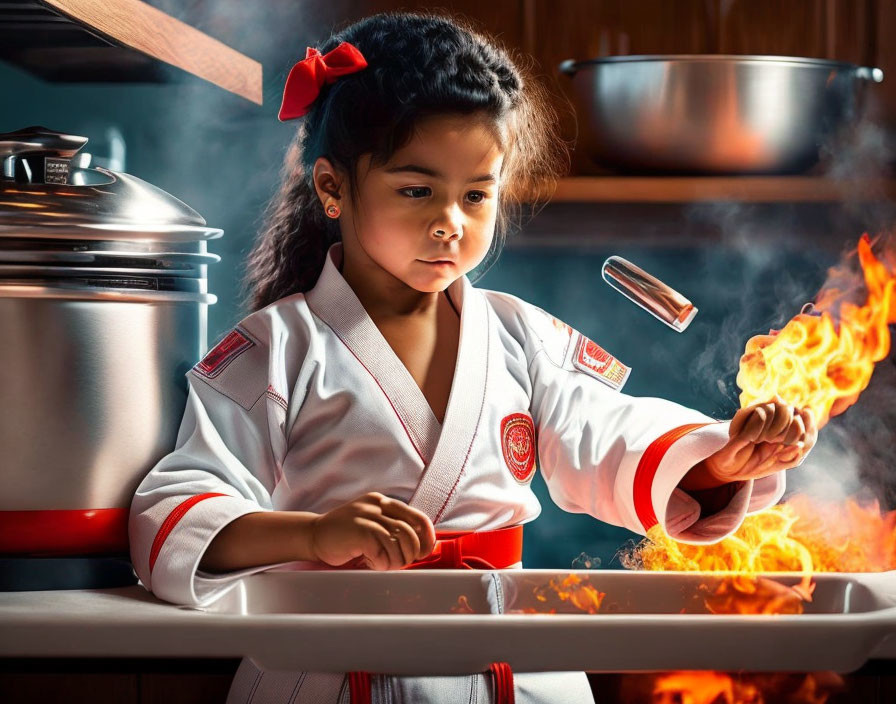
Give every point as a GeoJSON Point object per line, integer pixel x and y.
{"type": "Point", "coordinates": [518, 445]}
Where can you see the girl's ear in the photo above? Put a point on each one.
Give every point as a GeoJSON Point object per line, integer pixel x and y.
{"type": "Point", "coordinates": [328, 180]}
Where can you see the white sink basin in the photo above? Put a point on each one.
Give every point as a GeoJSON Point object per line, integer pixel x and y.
{"type": "Point", "coordinates": [407, 623]}
{"type": "Point", "coordinates": [390, 621]}
{"type": "Point", "coordinates": [438, 592]}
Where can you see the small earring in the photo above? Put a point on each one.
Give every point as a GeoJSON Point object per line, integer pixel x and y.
{"type": "Point", "coordinates": [332, 209]}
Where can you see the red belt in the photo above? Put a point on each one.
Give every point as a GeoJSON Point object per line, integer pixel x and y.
{"type": "Point", "coordinates": [492, 549]}
{"type": "Point", "coordinates": [483, 550]}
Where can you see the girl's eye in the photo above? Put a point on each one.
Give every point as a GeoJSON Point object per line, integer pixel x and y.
{"type": "Point", "coordinates": [416, 191]}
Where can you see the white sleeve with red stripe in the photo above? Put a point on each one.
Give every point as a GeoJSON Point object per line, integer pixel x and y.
{"type": "Point", "coordinates": [223, 467]}
{"type": "Point", "coordinates": [616, 457]}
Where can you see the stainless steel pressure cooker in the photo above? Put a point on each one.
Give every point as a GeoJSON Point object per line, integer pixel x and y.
{"type": "Point", "coordinates": [103, 308]}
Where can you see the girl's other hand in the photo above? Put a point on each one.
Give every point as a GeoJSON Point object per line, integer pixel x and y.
{"type": "Point", "coordinates": [383, 533]}
{"type": "Point", "coordinates": [763, 439]}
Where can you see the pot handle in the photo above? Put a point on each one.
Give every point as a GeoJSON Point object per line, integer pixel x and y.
{"type": "Point", "coordinates": [40, 140]}
{"type": "Point", "coordinates": [38, 155]}
{"type": "Point", "coordinates": [568, 67]}
{"type": "Point", "coordinates": [870, 73]}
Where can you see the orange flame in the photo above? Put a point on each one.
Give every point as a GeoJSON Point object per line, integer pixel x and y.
{"type": "Point", "coordinates": [742, 594]}
{"type": "Point", "coordinates": [822, 364]}
{"type": "Point", "coordinates": [814, 361]}
{"type": "Point", "coordinates": [576, 590]}
{"type": "Point", "coordinates": [763, 543]}
{"type": "Point", "coordinates": [695, 687]}
{"type": "Point", "coordinates": [803, 535]}
{"type": "Point", "coordinates": [688, 687]}
{"type": "Point", "coordinates": [462, 606]}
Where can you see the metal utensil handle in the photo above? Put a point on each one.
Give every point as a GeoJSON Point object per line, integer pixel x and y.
{"type": "Point", "coordinates": [661, 301]}
{"type": "Point", "coordinates": [568, 67]}
{"type": "Point", "coordinates": [870, 73]}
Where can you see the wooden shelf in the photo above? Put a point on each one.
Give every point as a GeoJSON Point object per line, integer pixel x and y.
{"type": "Point", "coordinates": [750, 189]}
{"type": "Point", "coordinates": [136, 40]}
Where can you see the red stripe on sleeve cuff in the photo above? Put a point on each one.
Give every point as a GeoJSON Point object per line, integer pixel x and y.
{"type": "Point", "coordinates": [647, 468]}
{"type": "Point", "coordinates": [169, 523]}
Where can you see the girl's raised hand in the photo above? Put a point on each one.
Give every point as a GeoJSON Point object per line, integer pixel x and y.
{"type": "Point", "coordinates": [383, 533]}
{"type": "Point", "coordinates": [762, 439]}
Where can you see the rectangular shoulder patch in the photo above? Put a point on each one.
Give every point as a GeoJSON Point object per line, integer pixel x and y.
{"type": "Point", "coordinates": [595, 361]}
{"type": "Point", "coordinates": [232, 346]}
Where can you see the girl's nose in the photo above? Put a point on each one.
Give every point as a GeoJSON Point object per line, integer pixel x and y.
{"type": "Point", "coordinates": [443, 234]}
{"type": "Point", "coordinates": [449, 226]}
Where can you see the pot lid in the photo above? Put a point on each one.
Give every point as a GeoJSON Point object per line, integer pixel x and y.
{"type": "Point", "coordinates": [43, 195]}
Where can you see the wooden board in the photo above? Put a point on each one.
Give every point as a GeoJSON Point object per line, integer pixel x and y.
{"type": "Point", "coordinates": [139, 26]}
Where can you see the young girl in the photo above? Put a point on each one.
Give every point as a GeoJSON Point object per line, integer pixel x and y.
{"type": "Point", "coordinates": [375, 401]}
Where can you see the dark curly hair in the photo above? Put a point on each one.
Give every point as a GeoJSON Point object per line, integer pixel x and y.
{"type": "Point", "coordinates": [419, 65]}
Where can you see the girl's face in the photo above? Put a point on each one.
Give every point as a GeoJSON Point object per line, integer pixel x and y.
{"type": "Point", "coordinates": [427, 217]}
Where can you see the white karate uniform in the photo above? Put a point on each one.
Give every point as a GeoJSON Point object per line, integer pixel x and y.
{"type": "Point", "coordinates": [304, 406]}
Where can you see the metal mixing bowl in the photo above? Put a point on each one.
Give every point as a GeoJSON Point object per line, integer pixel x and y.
{"type": "Point", "coordinates": [712, 113]}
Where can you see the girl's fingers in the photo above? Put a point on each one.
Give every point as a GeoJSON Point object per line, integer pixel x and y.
{"type": "Point", "coordinates": [811, 427]}
{"type": "Point", "coordinates": [767, 438]}
{"type": "Point", "coordinates": [374, 551]}
{"type": "Point", "coordinates": [771, 413]}
{"type": "Point", "coordinates": [392, 548]}
{"type": "Point", "coordinates": [779, 422]}
{"type": "Point", "coordinates": [766, 422]}
{"type": "Point", "coordinates": [737, 423]}
{"type": "Point", "coordinates": [796, 431]}
{"type": "Point", "coordinates": [416, 519]}
{"type": "Point", "coordinates": [811, 422]}
{"type": "Point", "coordinates": [406, 537]}
{"type": "Point", "coordinates": [755, 424]}
{"type": "Point", "coordinates": [743, 431]}
{"type": "Point", "coordinates": [747, 422]}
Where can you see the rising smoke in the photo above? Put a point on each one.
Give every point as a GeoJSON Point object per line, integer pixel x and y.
{"type": "Point", "coordinates": [779, 270]}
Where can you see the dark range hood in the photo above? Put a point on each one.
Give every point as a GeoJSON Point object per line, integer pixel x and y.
{"type": "Point", "coordinates": [118, 41]}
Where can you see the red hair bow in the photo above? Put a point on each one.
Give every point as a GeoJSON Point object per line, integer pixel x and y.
{"type": "Point", "coordinates": [309, 75]}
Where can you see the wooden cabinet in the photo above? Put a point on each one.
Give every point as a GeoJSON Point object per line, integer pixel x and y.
{"type": "Point", "coordinates": [502, 18]}
{"type": "Point", "coordinates": [579, 29]}
{"type": "Point", "coordinates": [830, 29]}
{"type": "Point", "coordinates": [768, 27]}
